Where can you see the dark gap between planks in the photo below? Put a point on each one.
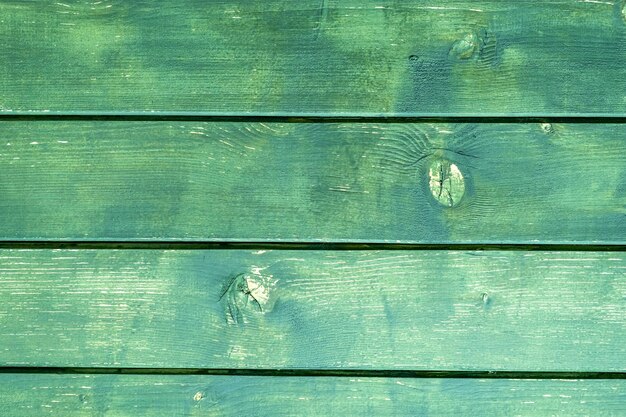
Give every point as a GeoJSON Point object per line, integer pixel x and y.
{"type": "Point", "coordinates": [314, 118]}
{"type": "Point", "coordinates": [334, 246]}
{"type": "Point", "coordinates": [365, 373]}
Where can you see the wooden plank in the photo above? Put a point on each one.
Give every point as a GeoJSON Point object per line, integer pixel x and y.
{"type": "Point", "coordinates": [154, 395]}
{"type": "Point", "coordinates": [441, 310]}
{"type": "Point", "coordinates": [427, 183]}
{"type": "Point", "coordinates": [314, 56]}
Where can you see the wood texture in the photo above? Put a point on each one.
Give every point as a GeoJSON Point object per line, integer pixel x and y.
{"type": "Point", "coordinates": [519, 183]}
{"type": "Point", "coordinates": [441, 310]}
{"type": "Point", "coordinates": [139, 179]}
{"type": "Point", "coordinates": [126, 395]}
{"type": "Point", "coordinates": [314, 56]}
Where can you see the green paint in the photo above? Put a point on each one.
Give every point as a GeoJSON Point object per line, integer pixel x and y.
{"type": "Point", "coordinates": [321, 57]}
{"type": "Point", "coordinates": [442, 310]}
{"type": "Point", "coordinates": [312, 182]}
{"type": "Point", "coordinates": [129, 395]}
{"type": "Point", "coordinates": [436, 183]}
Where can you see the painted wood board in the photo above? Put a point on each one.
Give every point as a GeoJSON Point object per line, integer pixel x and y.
{"type": "Point", "coordinates": [314, 57]}
{"type": "Point", "coordinates": [306, 182]}
{"type": "Point", "coordinates": [420, 310]}
{"type": "Point", "coordinates": [157, 395]}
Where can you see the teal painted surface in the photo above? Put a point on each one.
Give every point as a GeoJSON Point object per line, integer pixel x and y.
{"type": "Point", "coordinates": [428, 310]}
{"type": "Point", "coordinates": [304, 182]}
{"type": "Point", "coordinates": [319, 57]}
{"type": "Point", "coordinates": [134, 180]}
{"type": "Point", "coordinates": [154, 395]}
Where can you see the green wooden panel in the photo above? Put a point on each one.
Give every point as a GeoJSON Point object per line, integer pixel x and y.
{"type": "Point", "coordinates": [314, 56]}
{"type": "Point", "coordinates": [429, 183]}
{"type": "Point", "coordinates": [130, 395]}
{"type": "Point", "coordinates": [441, 310]}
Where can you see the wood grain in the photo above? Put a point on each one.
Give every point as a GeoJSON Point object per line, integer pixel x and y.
{"type": "Point", "coordinates": [314, 57]}
{"type": "Point", "coordinates": [305, 182]}
{"type": "Point", "coordinates": [424, 310]}
{"type": "Point", "coordinates": [129, 395]}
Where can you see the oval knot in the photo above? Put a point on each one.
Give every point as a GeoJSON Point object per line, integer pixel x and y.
{"type": "Point", "coordinates": [446, 183]}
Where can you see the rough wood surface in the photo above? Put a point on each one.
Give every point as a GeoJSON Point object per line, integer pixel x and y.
{"type": "Point", "coordinates": [125, 395]}
{"type": "Point", "coordinates": [441, 310]}
{"type": "Point", "coordinates": [430, 183]}
{"type": "Point", "coordinates": [314, 56]}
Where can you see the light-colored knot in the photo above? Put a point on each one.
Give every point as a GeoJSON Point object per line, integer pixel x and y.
{"type": "Point", "coordinates": [446, 183]}
{"type": "Point", "coordinates": [464, 48]}
{"type": "Point", "coordinates": [547, 128]}
{"type": "Point", "coordinates": [246, 293]}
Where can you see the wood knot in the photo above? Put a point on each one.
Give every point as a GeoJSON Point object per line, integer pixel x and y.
{"type": "Point", "coordinates": [246, 293]}
{"type": "Point", "coordinates": [446, 183]}
{"type": "Point", "coordinates": [465, 47]}
{"type": "Point", "coordinates": [481, 45]}
{"type": "Point", "coordinates": [623, 10]}
{"type": "Point", "coordinates": [547, 128]}
{"type": "Point", "coordinates": [198, 396]}
{"type": "Point", "coordinates": [485, 301]}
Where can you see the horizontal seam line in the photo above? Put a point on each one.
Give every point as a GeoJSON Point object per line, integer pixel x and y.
{"type": "Point", "coordinates": [222, 245]}
{"type": "Point", "coordinates": [321, 118]}
{"type": "Point", "coordinates": [388, 373]}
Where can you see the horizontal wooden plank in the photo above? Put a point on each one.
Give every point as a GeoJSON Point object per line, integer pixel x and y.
{"type": "Point", "coordinates": [427, 183]}
{"type": "Point", "coordinates": [131, 395]}
{"type": "Point", "coordinates": [314, 56]}
{"type": "Point", "coordinates": [441, 310]}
